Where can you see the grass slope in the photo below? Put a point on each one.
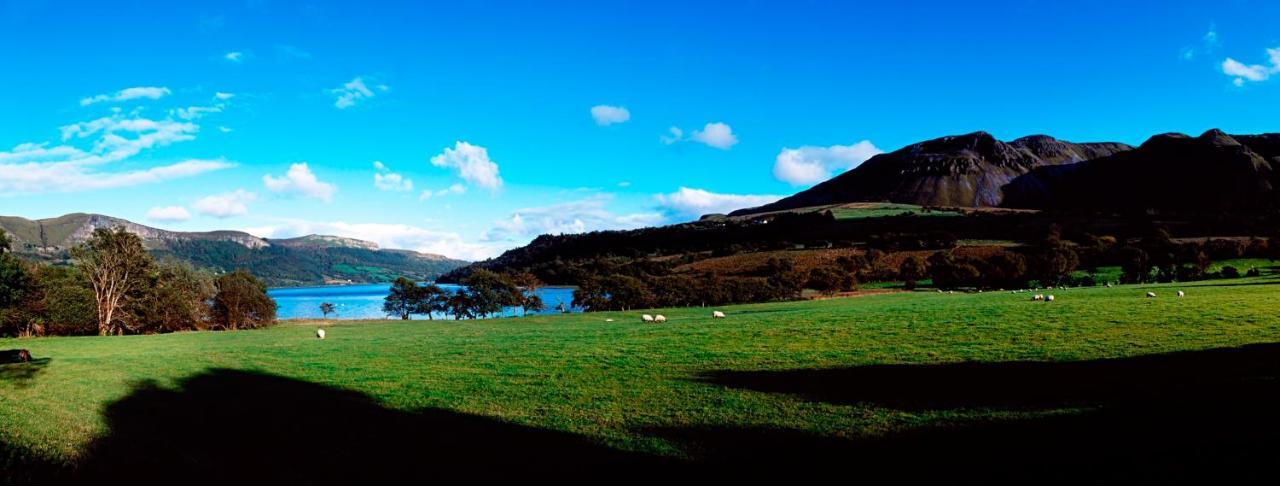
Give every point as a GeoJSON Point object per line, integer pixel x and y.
{"type": "Point", "coordinates": [971, 384]}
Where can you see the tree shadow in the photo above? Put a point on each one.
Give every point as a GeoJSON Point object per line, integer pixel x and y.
{"type": "Point", "coordinates": [21, 374]}
{"type": "Point", "coordinates": [1169, 417]}
{"type": "Point", "coordinates": [227, 426]}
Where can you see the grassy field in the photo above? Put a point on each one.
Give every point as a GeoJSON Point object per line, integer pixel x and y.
{"type": "Point", "coordinates": [987, 384]}
{"type": "Point", "coordinates": [880, 210]}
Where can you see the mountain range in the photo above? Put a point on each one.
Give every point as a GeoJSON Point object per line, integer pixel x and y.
{"type": "Point", "coordinates": [306, 260]}
{"type": "Point", "coordinates": [1214, 171]}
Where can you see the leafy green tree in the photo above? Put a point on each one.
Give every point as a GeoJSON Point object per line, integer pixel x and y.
{"type": "Point", "coordinates": [242, 302]}
{"type": "Point", "coordinates": [528, 286]}
{"type": "Point", "coordinates": [490, 292]}
{"type": "Point", "coordinates": [830, 280]}
{"type": "Point", "coordinates": [403, 298]}
{"type": "Point", "coordinates": [1135, 265]}
{"type": "Point", "coordinates": [116, 263]}
{"type": "Point", "coordinates": [591, 296]}
{"type": "Point", "coordinates": [430, 299]}
{"type": "Point", "coordinates": [327, 308]}
{"type": "Point", "coordinates": [174, 297]}
{"type": "Point", "coordinates": [65, 303]}
{"type": "Point", "coordinates": [460, 305]}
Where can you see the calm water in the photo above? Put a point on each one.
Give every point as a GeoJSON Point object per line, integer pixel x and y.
{"type": "Point", "coordinates": [365, 301]}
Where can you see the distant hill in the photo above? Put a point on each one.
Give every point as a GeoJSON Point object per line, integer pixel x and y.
{"type": "Point", "coordinates": [306, 260]}
{"type": "Point", "coordinates": [955, 171]}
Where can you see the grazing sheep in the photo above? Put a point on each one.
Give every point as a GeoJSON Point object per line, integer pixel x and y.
{"type": "Point", "coordinates": [1182, 294]}
{"type": "Point", "coordinates": [1151, 295]}
{"type": "Point", "coordinates": [608, 320]}
{"type": "Point", "coordinates": [646, 318]}
{"type": "Point", "coordinates": [717, 315]}
{"type": "Point", "coordinates": [1048, 298]}
{"type": "Point", "coordinates": [659, 318]}
{"type": "Point", "coordinates": [320, 333]}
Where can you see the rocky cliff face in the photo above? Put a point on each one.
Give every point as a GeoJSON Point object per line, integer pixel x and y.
{"type": "Point", "coordinates": [963, 171]}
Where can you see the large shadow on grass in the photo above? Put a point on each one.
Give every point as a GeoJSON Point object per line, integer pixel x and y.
{"type": "Point", "coordinates": [1203, 415]}
{"type": "Point", "coordinates": [236, 427]}
{"type": "Point", "coordinates": [19, 373]}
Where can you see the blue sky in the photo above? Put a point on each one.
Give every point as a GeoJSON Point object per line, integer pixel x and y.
{"type": "Point", "coordinates": [515, 118]}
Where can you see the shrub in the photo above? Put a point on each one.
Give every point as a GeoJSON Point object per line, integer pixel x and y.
{"type": "Point", "coordinates": [1230, 272]}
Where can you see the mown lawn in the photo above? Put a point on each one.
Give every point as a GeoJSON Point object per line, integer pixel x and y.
{"type": "Point", "coordinates": [990, 381]}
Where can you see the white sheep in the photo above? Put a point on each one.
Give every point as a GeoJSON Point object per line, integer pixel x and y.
{"type": "Point", "coordinates": [1048, 298]}
{"type": "Point", "coordinates": [1151, 295]}
{"type": "Point", "coordinates": [659, 318]}
{"type": "Point", "coordinates": [646, 318]}
{"type": "Point", "coordinates": [608, 320]}
{"type": "Point", "coordinates": [1037, 297]}
{"type": "Point", "coordinates": [717, 315]}
{"type": "Point", "coordinates": [320, 333]}
{"type": "Point", "coordinates": [1182, 294]}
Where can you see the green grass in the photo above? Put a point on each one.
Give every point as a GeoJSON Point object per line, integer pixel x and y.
{"type": "Point", "coordinates": [881, 210]}
{"type": "Point", "coordinates": [627, 386]}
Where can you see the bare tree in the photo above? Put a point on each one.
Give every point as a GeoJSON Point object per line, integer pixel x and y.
{"type": "Point", "coordinates": [115, 262]}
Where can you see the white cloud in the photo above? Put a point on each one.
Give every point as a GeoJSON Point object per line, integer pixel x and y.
{"type": "Point", "coordinates": [234, 56]}
{"type": "Point", "coordinates": [608, 115]}
{"type": "Point", "coordinates": [715, 134]}
{"type": "Point", "coordinates": [41, 177]}
{"type": "Point", "coordinates": [810, 165]}
{"type": "Point", "coordinates": [590, 214]}
{"type": "Point", "coordinates": [141, 92]}
{"type": "Point", "coordinates": [718, 135]}
{"type": "Point", "coordinates": [225, 205]}
{"type": "Point", "coordinates": [1208, 43]}
{"type": "Point", "coordinates": [394, 236]}
{"type": "Point", "coordinates": [300, 180]}
{"type": "Point", "coordinates": [223, 96]}
{"type": "Point", "coordinates": [688, 202]}
{"type": "Point", "coordinates": [1241, 72]}
{"type": "Point", "coordinates": [168, 214]}
{"type": "Point", "coordinates": [353, 92]}
{"type": "Point", "coordinates": [448, 191]}
{"type": "Point", "coordinates": [82, 161]}
{"type": "Point", "coordinates": [385, 180]}
{"type": "Point", "coordinates": [674, 134]}
{"type": "Point", "coordinates": [471, 163]}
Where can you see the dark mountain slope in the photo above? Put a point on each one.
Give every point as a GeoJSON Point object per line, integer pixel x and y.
{"type": "Point", "coordinates": [1169, 172]}
{"type": "Point", "coordinates": [965, 171]}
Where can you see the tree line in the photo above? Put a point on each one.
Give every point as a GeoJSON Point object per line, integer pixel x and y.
{"type": "Point", "coordinates": [484, 294]}
{"type": "Point", "coordinates": [115, 287]}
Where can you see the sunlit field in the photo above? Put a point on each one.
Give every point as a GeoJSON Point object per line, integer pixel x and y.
{"type": "Point", "coordinates": [993, 382]}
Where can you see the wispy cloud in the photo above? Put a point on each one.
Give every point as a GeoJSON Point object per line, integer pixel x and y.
{"type": "Point", "coordinates": [385, 180]}
{"type": "Point", "coordinates": [127, 94]}
{"type": "Point", "coordinates": [692, 203]}
{"type": "Point", "coordinates": [397, 236]}
{"type": "Point", "coordinates": [234, 56]}
{"type": "Point", "coordinates": [168, 214]}
{"type": "Point", "coordinates": [589, 214]}
{"type": "Point", "coordinates": [716, 134]}
{"type": "Point", "coordinates": [354, 92]}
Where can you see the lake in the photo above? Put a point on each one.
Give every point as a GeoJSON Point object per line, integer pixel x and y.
{"type": "Point", "coordinates": [365, 301]}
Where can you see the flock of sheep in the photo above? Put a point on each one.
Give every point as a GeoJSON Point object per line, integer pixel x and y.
{"type": "Point", "coordinates": [659, 318]}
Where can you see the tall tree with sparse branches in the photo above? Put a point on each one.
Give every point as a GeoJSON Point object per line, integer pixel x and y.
{"type": "Point", "coordinates": [115, 262]}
